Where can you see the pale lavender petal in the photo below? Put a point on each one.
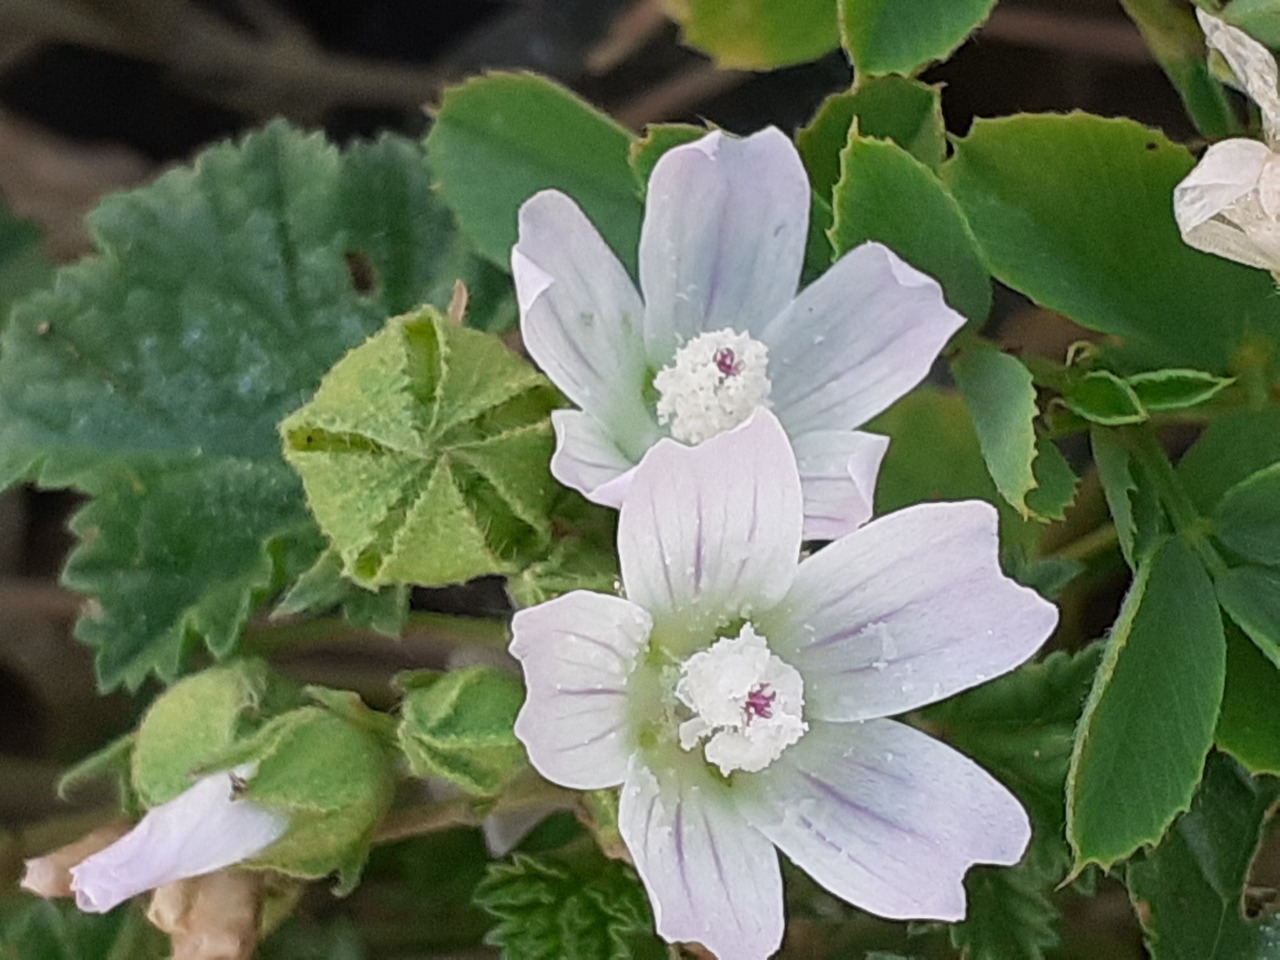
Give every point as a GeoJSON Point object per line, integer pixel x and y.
{"type": "Point", "coordinates": [580, 316]}
{"type": "Point", "coordinates": [577, 652]}
{"type": "Point", "coordinates": [203, 829]}
{"type": "Point", "coordinates": [1208, 203]}
{"type": "Point", "coordinates": [838, 471]}
{"type": "Point", "coordinates": [907, 610]}
{"type": "Point", "coordinates": [724, 233]}
{"type": "Point", "coordinates": [711, 878]}
{"type": "Point", "coordinates": [712, 532]}
{"type": "Point", "coordinates": [886, 817]}
{"type": "Point", "coordinates": [587, 458]}
{"type": "Point", "coordinates": [855, 340]}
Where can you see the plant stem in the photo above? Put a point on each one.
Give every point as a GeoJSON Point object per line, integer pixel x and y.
{"type": "Point", "coordinates": [468, 812]}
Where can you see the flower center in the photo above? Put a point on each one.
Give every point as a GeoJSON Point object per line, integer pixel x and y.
{"type": "Point", "coordinates": [745, 703]}
{"type": "Point", "coordinates": [712, 385]}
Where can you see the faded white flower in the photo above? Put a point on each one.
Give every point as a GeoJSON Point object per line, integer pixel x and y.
{"type": "Point", "coordinates": [739, 695]}
{"type": "Point", "coordinates": [1229, 205]}
{"type": "Point", "coordinates": [717, 328]}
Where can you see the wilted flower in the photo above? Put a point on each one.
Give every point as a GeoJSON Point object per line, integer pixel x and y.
{"type": "Point", "coordinates": [739, 695]}
{"type": "Point", "coordinates": [1229, 204]}
{"type": "Point", "coordinates": [212, 917]}
{"type": "Point", "coordinates": [205, 828]}
{"type": "Point", "coordinates": [720, 329]}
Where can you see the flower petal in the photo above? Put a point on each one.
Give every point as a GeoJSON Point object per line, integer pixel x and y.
{"type": "Point", "coordinates": [203, 829]}
{"type": "Point", "coordinates": [723, 240]}
{"type": "Point", "coordinates": [907, 610]}
{"type": "Point", "coordinates": [587, 459]}
{"type": "Point", "coordinates": [711, 878]}
{"type": "Point", "coordinates": [712, 532]}
{"type": "Point", "coordinates": [580, 316]}
{"type": "Point", "coordinates": [1206, 201]}
{"type": "Point", "coordinates": [838, 471]}
{"type": "Point", "coordinates": [855, 340]}
{"type": "Point", "coordinates": [1252, 63]}
{"type": "Point", "coordinates": [886, 817]}
{"type": "Point", "coordinates": [577, 652]}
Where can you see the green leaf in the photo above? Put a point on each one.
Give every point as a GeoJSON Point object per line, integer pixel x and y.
{"type": "Point", "coordinates": [570, 566]}
{"type": "Point", "coordinates": [48, 930]}
{"type": "Point", "coordinates": [1001, 399]}
{"type": "Point", "coordinates": [1248, 517]}
{"type": "Point", "coordinates": [22, 267]}
{"type": "Point", "coordinates": [499, 139]}
{"type": "Point", "coordinates": [547, 910]}
{"type": "Point", "coordinates": [1234, 445]}
{"type": "Point", "coordinates": [323, 587]}
{"type": "Point", "coordinates": [658, 138]}
{"type": "Point", "coordinates": [1074, 212]}
{"type": "Point", "coordinates": [1020, 726]}
{"type": "Point", "coordinates": [1176, 389]}
{"type": "Point", "coordinates": [1251, 597]}
{"type": "Point", "coordinates": [879, 180]}
{"type": "Point", "coordinates": [934, 455]}
{"type": "Point", "coordinates": [1055, 488]}
{"type": "Point", "coordinates": [1259, 18]}
{"type": "Point", "coordinates": [153, 376]}
{"type": "Point", "coordinates": [757, 34]}
{"type": "Point", "coordinates": [905, 111]}
{"type": "Point", "coordinates": [424, 455]}
{"type": "Point", "coordinates": [1174, 38]}
{"type": "Point", "coordinates": [1136, 760]}
{"type": "Point", "coordinates": [1189, 891]}
{"type": "Point", "coordinates": [1009, 912]}
{"type": "Point", "coordinates": [458, 726]}
{"type": "Point", "coordinates": [898, 36]}
{"type": "Point", "coordinates": [1249, 725]}
{"type": "Point", "coordinates": [1118, 486]}
{"type": "Point", "coordinates": [1102, 397]}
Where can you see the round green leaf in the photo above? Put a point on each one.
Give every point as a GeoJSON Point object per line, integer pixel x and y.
{"type": "Point", "coordinates": [1075, 212]}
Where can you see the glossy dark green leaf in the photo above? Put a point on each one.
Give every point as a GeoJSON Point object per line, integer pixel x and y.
{"type": "Point", "coordinates": [1074, 211]}
{"type": "Point", "coordinates": [1010, 913]}
{"type": "Point", "coordinates": [1189, 891]}
{"type": "Point", "coordinates": [499, 139]}
{"type": "Point", "coordinates": [887, 195]}
{"type": "Point", "coordinates": [1235, 445]}
{"type": "Point", "coordinates": [1248, 517]}
{"type": "Point", "coordinates": [1118, 486]}
{"type": "Point", "coordinates": [757, 34]}
{"type": "Point", "coordinates": [658, 138]}
{"type": "Point", "coordinates": [884, 36]}
{"type": "Point", "coordinates": [1150, 717]}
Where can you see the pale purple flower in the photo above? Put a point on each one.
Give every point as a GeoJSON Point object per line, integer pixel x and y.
{"type": "Point", "coordinates": [738, 694]}
{"type": "Point", "coordinates": [205, 828]}
{"type": "Point", "coordinates": [1229, 205]}
{"type": "Point", "coordinates": [717, 327]}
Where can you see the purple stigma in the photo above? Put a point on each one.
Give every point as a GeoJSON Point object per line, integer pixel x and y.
{"type": "Point", "coordinates": [760, 702]}
{"type": "Point", "coordinates": [727, 362]}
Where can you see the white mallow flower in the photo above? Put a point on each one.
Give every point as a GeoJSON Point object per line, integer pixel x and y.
{"type": "Point", "coordinates": [1229, 204]}
{"type": "Point", "coordinates": [739, 694]}
{"type": "Point", "coordinates": [205, 828]}
{"type": "Point", "coordinates": [717, 328]}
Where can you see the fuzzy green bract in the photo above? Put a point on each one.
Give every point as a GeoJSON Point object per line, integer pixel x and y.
{"type": "Point", "coordinates": [424, 455]}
